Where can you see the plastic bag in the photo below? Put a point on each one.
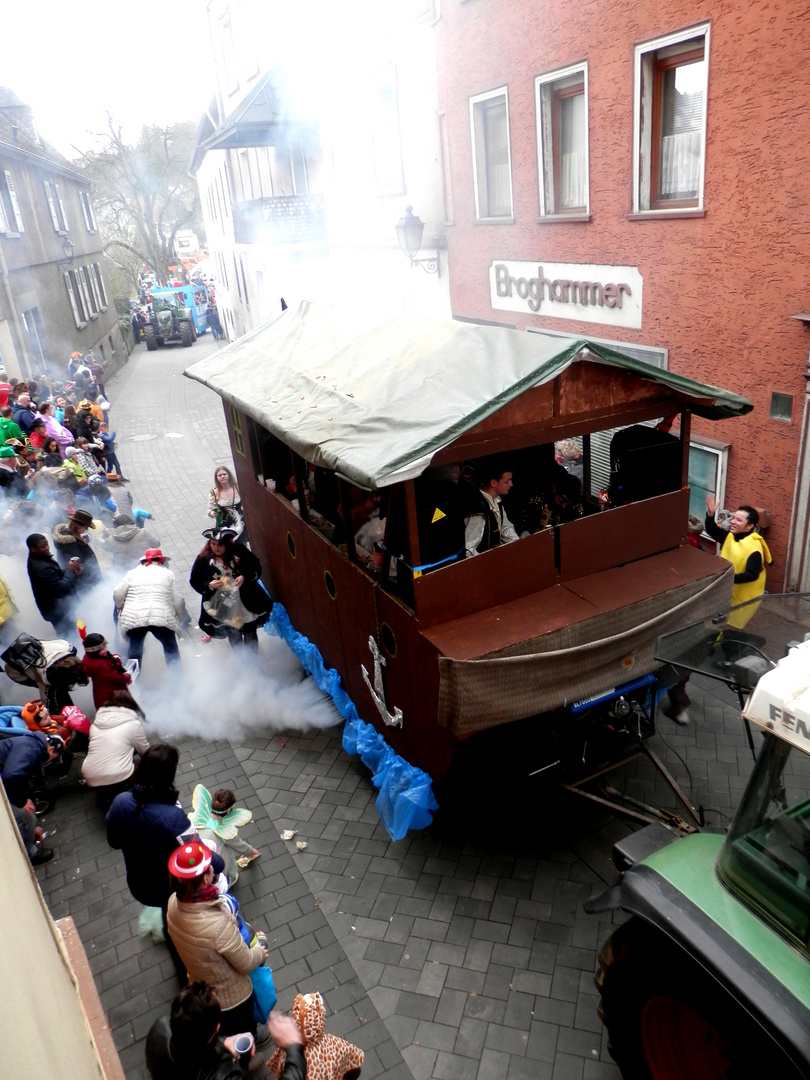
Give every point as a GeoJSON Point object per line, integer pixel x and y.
{"type": "Point", "coordinates": [150, 924]}
{"type": "Point", "coordinates": [264, 993]}
{"type": "Point", "coordinates": [226, 608]}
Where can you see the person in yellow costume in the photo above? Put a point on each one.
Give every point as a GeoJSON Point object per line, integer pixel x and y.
{"type": "Point", "coordinates": [748, 553]}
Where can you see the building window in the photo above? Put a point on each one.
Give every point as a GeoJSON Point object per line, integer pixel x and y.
{"type": "Point", "coordinates": [781, 407]}
{"type": "Point", "coordinates": [11, 221]}
{"type": "Point", "coordinates": [492, 171]}
{"type": "Point", "coordinates": [56, 206]}
{"type": "Point", "coordinates": [75, 299]}
{"type": "Point", "coordinates": [670, 121]}
{"type": "Point", "coordinates": [87, 212]}
{"type": "Point", "coordinates": [708, 463]}
{"type": "Point", "coordinates": [562, 141]}
{"type": "Point", "coordinates": [33, 329]}
{"type": "Point", "coordinates": [95, 275]}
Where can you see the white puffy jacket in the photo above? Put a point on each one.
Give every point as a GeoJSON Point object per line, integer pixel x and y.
{"type": "Point", "coordinates": [114, 734]}
{"type": "Point", "coordinates": [150, 596]}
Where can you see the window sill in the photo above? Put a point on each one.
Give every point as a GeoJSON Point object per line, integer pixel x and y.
{"type": "Point", "coordinates": [11, 235]}
{"type": "Point", "coordinates": [665, 215]}
{"type": "Point", "coordinates": [81, 325]}
{"type": "Point", "coordinates": [563, 219]}
{"type": "Point", "coordinates": [93, 318]}
{"type": "Point", "coordinates": [495, 221]}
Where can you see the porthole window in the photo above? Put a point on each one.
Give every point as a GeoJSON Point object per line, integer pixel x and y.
{"type": "Point", "coordinates": [291, 544]}
{"type": "Point", "coordinates": [331, 588]}
{"type": "Point", "coordinates": [389, 642]}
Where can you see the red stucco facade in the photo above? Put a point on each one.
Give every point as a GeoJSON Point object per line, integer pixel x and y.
{"type": "Point", "coordinates": [719, 289]}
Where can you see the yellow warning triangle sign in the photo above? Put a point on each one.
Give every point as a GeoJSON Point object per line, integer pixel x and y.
{"type": "Point", "coordinates": [437, 516]}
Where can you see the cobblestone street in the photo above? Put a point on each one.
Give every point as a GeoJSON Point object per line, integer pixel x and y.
{"type": "Point", "coordinates": [447, 956]}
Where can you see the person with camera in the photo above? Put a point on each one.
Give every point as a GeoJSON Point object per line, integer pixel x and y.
{"type": "Point", "coordinates": [187, 1045]}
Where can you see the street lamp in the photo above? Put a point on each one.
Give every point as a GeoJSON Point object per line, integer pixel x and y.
{"type": "Point", "coordinates": [409, 234]}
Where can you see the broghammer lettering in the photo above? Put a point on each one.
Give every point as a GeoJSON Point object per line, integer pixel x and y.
{"type": "Point", "coordinates": [535, 290]}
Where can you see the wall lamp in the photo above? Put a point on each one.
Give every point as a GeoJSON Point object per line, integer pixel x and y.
{"type": "Point", "coordinates": [68, 247]}
{"type": "Point", "coordinates": [409, 234]}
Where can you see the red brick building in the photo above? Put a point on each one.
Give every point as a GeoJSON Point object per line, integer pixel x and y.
{"type": "Point", "coordinates": [640, 174]}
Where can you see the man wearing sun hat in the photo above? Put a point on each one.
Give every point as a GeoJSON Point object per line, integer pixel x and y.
{"type": "Point", "coordinates": [148, 601]}
{"type": "Point", "coordinates": [206, 934]}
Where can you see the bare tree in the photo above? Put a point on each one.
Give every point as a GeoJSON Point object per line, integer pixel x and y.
{"type": "Point", "coordinates": [143, 194]}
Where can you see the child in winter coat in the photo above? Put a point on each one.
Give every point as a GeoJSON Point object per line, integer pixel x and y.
{"type": "Point", "coordinates": [103, 668]}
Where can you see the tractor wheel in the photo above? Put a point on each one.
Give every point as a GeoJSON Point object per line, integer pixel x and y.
{"type": "Point", "coordinates": [667, 1019]}
{"type": "Point", "coordinates": [186, 334]}
{"type": "Point", "coordinates": [150, 338]}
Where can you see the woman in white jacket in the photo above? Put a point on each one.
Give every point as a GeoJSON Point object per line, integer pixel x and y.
{"type": "Point", "coordinates": [116, 735]}
{"type": "Point", "coordinates": [149, 601]}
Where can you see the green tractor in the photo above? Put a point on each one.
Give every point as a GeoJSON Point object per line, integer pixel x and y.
{"type": "Point", "coordinates": [710, 978]}
{"type": "Point", "coordinates": [169, 320]}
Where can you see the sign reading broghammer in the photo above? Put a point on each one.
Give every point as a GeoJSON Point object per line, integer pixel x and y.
{"type": "Point", "coordinates": [585, 293]}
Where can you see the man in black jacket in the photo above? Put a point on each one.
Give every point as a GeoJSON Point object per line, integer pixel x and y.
{"type": "Point", "coordinates": [187, 1046]}
{"type": "Point", "coordinates": [54, 589]}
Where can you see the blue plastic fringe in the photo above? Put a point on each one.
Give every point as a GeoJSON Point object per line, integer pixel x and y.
{"type": "Point", "coordinates": [406, 799]}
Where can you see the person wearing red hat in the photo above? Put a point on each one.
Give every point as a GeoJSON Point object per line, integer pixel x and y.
{"type": "Point", "coordinates": [206, 935]}
{"type": "Point", "coordinates": [149, 601]}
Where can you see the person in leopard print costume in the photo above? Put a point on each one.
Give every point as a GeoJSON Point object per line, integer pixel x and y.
{"type": "Point", "coordinates": [328, 1057]}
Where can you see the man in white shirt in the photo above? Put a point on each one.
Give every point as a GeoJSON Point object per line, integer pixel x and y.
{"type": "Point", "coordinates": [489, 527]}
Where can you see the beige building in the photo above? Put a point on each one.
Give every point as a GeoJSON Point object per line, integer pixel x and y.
{"type": "Point", "coordinates": [317, 139]}
{"type": "Point", "coordinates": [53, 295]}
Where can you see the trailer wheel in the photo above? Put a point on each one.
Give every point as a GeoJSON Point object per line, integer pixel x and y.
{"type": "Point", "coordinates": [186, 335]}
{"type": "Point", "coordinates": [150, 338]}
{"type": "Point", "coordinates": [667, 1019]}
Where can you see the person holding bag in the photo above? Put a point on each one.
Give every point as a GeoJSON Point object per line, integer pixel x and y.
{"type": "Point", "coordinates": [234, 602]}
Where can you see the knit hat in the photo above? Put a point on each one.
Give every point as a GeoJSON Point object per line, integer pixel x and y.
{"type": "Point", "coordinates": [70, 451]}
{"type": "Point", "coordinates": [94, 643]}
{"type": "Point", "coordinates": [192, 860]}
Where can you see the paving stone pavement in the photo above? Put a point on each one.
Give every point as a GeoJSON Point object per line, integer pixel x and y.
{"type": "Point", "coordinates": [443, 955]}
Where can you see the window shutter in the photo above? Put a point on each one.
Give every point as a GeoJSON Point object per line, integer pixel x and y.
{"type": "Point", "coordinates": [84, 291]}
{"type": "Point", "coordinates": [64, 217]}
{"type": "Point", "coordinates": [102, 291]}
{"type": "Point", "coordinates": [15, 206]}
{"type": "Point", "coordinates": [84, 202]}
{"type": "Point", "coordinates": [600, 459]}
{"type": "Point", "coordinates": [90, 273]}
{"type": "Point", "coordinates": [73, 301]}
{"type": "Point", "coordinates": [49, 195]}
{"type": "Point", "coordinates": [4, 226]}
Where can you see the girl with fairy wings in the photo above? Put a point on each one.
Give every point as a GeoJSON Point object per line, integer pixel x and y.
{"type": "Point", "coordinates": [216, 818]}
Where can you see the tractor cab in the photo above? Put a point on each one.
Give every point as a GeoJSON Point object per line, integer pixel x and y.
{"type": "Point", "coordinates": [711, 976]}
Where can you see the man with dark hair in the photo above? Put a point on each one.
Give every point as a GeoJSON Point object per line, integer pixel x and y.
{"type": "Point", "coordinates": [744, 548]}
{"type": "Point", "coordinates": [487, 525]}
{"type": "Point", "coordinates": [8, 429]}
{"type": "Point", "coordinates": [54, 588]}
{"type": "Point", "coordinates": [186, 1045]}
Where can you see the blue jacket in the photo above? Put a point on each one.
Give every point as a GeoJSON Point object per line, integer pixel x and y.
{"type": "Point", "coordinates": [21, 758]}
{"type": "Point", "coordinates": [147, 833]}
{"type": "Point", "coordinates": [23, 417]}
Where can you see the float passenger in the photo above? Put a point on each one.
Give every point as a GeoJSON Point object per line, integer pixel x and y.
{"type": "Point", "coordinates": [487, 526]}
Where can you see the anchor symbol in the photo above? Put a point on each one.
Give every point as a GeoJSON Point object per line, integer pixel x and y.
{"type": "Point", "coordinates": [377, 691]}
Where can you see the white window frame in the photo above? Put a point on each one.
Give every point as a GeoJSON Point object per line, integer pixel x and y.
{"type": "Point", "coordinates": [56, 207]}
{"type": "Point", "coordinates": [14, 206]}
{"type": "Point", "coordinates": [643, 60]}
{"type": "Point", "coordinates": [479, 99]}
{"type": "Point", "coordinates": [545, 146]}
{"type": "Point", "coordinates": [720, 451]}
{"type": "Point", "coordinates": [84, 292]}
{"type": "Point", "coordinates": [87, 211]}
{"type": "Point", "coordinates": [74, 299]}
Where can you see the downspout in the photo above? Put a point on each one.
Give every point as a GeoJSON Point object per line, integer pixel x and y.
{"type": "Point", "coordinates": [12, 307]}
{"type": "Point", "coordinates": [797, 574]}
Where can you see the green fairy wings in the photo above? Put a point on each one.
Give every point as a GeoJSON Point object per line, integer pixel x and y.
{"type": "Point", "coordinates": [224, 825]}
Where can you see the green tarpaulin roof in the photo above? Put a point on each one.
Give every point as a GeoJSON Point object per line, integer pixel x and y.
{"type": "Point", "coordinates": [374, 396]}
